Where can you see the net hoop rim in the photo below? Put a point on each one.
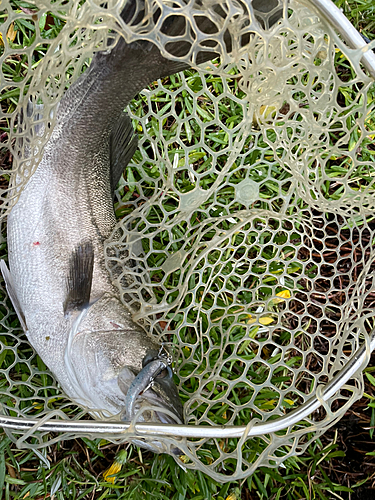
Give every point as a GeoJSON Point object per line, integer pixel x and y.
{"type": "Point", "coordinates": [336, 18]}
{"type": "Point", "coordinates": [118, 429]}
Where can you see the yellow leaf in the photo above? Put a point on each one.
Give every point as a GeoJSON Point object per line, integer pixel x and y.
{"type": "Point", "coordinates": [251, 319]}
{"type": "Point", "coordinates": [11, 34]}
{"type": "Point", "coordinates": [284, 294]}
{"type": "Point", "coordinates": [266, 320]}
{"type": "Point", "coordinates": [109, 474]}
{"type": "Point", "coordinates": [267, 110]}
{"type": "Point", "coordinates": [289, 401]}
{"type": "Point", "coordinates": [1, 39]}
{"type": "Point", "coordinates": [222, 444]}
{"type": "Point", "coordinates": [269, 403]}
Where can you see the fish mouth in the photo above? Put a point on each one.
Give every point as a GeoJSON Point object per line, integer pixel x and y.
{"type": "Point", "coordinates": [164, 396]}
{"type": "Point", "coordinates": [153, 395]}
{"type": "Point", "coordinates": [159, 403]}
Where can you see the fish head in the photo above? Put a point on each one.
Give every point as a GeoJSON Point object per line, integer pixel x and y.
{"type": "Point", "coordinates": [121, 373]}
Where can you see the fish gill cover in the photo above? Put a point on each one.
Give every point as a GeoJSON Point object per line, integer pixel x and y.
{"type": "Point", "coordinates": [245, 218]}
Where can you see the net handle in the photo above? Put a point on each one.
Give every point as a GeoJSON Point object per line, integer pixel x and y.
{"type": "Point", "coordinates": [117, 429]}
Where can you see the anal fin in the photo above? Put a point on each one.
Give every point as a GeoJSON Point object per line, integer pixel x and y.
{"type": "Point", "coordinates": [79, 279]}
{"type": "Point", "coordinates": [12, 293]}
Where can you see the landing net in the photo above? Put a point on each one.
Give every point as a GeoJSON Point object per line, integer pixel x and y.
{"type": "Point", "coordinates": [245, 218]}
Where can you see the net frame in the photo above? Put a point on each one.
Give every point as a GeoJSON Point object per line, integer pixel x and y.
{"type": "Point", "coordinates": [356, 362]}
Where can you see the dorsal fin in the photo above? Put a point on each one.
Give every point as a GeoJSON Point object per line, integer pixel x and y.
{"type": "Point", "coordinates": [123, 144]}
{"type": "Point", "coordinates": [12, 293]}
{"type": "Point", "coordinates": [79, 280]}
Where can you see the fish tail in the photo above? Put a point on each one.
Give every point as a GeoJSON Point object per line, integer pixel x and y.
{"type": "Point", "coordinates": [143, 58]}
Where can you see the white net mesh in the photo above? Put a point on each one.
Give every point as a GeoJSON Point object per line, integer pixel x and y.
{"type": "Point", "coordinates": [245, 226]}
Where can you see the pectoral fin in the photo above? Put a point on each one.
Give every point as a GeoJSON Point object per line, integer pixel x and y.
{"type": "Point", "coordinates": [123, 145]}
{"type": "Point", "coordinates": [12, 293]}
{"type": "Point", "coordinates": [79, 280]}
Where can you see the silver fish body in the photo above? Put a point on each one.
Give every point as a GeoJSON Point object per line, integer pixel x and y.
{"type": "Point", "coordinates": [93, 347]}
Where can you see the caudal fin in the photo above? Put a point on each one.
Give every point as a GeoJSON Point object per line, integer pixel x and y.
{"type": "Point", "coordinates": [142, 61]}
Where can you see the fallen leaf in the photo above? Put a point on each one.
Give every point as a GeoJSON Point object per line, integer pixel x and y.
{"type": "Point", "coordinates": [266, 320]}
{"type": "Point", "coordinates": [11, 33]}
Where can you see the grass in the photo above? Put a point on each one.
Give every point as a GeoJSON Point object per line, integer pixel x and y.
{"type": "Point", "coordinates": [336, 465]}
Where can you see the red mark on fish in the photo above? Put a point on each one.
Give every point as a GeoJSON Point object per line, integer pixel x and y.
{"type": "Point", "coordinates": [115, 325]}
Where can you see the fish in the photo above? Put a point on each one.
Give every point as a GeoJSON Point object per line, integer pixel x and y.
{"type": "Point", "coordinates": [57, 279]}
